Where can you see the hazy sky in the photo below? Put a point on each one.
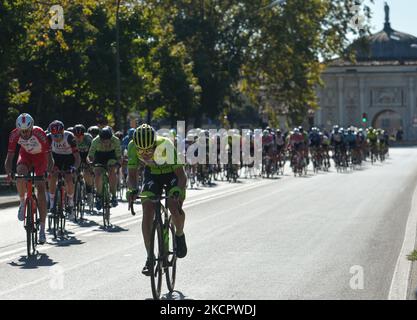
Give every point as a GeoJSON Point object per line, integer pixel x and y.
{"type": "Point", "coordinates": [403, 15]}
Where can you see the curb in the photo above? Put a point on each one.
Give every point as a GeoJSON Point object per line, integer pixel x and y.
{"type": "Point", "coordinates": [9, 204]}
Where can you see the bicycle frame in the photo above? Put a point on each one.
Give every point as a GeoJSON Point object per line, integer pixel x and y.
{"type": "Point", "coordinates": [31, 220]}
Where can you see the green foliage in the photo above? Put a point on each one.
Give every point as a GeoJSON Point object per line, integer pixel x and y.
{"type": "Point", "coordinates": [179, 59]}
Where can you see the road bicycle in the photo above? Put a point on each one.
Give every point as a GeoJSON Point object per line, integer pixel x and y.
{"type": "Point", "coordinates": [31, 219]}
{"type": "Point", "coordinates": [163, 247]}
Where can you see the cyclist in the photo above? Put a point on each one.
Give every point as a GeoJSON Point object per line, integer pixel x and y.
{"type": "Point", "coordinates": [372, 139]}
{"type": "Point", "coordinates": [84, 140]}
{"type": "Point", "coordinates": [93, 131]}
{"type": "Point", "coordinates": [35, 152]}
{"type": "Point", "coordinates": [172, 177]}
{"type": "Point", "coordinates": [66, 157]}
{"type": "Point", "coordinates": [296, 144]}
{"type": "Point", "coordinates": [106, 151]}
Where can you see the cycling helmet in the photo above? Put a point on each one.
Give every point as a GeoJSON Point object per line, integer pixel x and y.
{"type": "Point", "coordinates": [130, 133]}
{"type": "Point", "coordinates": [106, 133]}
{"type": "Point", "coordinates": [94, 131]}
{"type": "Point", "coordinates": [119, 135]}
{"type": "Point", "coordinates": [79, 130]}
{"type": "Point", "coordinates": [56, 127]}
{"type": "Point", "coordinates": [24, 122]}
{"type": "Point", "coordinates": [144, 137]}
{"type": "Point", "coordinates": [70, 129]}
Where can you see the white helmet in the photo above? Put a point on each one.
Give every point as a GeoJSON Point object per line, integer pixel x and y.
{"type": "Point", "coordinates": [24, 121]}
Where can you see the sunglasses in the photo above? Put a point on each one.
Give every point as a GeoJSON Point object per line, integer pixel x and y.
{"type": "Point", "coordinates": [25, 132]}
{"type": "Point", "coordinates": [146, 151]}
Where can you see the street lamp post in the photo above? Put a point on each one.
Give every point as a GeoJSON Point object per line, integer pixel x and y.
{"type": "Point", "coordinates": [118, 114]}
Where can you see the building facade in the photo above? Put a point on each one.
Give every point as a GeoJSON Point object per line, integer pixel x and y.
{"type": "Point", "coordinates": [382, 84]}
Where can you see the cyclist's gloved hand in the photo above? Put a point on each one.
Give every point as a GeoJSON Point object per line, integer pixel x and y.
{"type": "Point", "coordinates": [131, 192]}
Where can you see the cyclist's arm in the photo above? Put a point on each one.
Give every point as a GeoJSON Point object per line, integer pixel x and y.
{"type": "Point", "coordinates": [51, 161]}
{"type": "Point", "coordinates": [75, 151]}
{"type": "Point", "coordinates": [117, 149]}
{"type": "Point", "coordinates": [132, 166]}
{"type": "Point", "coordinates": [182, 177]}
{"type": "Point", "coordinates": [93, 149]}
{"type": "Point", "coordinates": [8, 164]}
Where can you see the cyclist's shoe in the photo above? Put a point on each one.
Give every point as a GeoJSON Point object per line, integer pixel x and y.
{"type": "Point", "coordinates": [181, 246]}
{"type": "Point", "coordinates": [42, 237]}
{"type": "Point", "coordinates": [147, 269]}
{"type": "Point", "coordinates": [114, 202]}
{"type": "Point", "coordinates": [98, 203]}
{"type": "Point", "coordinates": [21, 212]}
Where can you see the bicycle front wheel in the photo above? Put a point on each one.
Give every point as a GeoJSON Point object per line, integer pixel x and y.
{"type": "Point", "coordinates": [171, 259]}
{"type": "Point", "coordinates": [156, 257]}
{"type": "Point", "coordinates": [29, 226]}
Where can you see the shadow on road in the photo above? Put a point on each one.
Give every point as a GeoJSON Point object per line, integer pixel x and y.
{"type": "Point", "coordinates": [66, 241]}
{"type": "Point", "coordinates": [87, 223]}
{"type": "Point", "coordinates": [111, 229]}
{"type": "Point", "coordinates": [33, 262]}
{"type": "Point", "coordinates": [175, 295]}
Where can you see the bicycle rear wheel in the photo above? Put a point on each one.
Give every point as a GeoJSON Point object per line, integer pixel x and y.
{"type": "Point", "coordinates": [156, 256]}
{"type": "Point", "coordinates": [171, 259]}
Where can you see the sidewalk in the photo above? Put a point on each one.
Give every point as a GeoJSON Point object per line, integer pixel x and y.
{"type": "Point", "coordinates": [8, 195]}
{"type": "Point", "coordinates": [7, 201]}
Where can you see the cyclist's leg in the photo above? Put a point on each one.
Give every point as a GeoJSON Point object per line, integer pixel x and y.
{"type": "Point", "coordinates": [69, 181]}
{"type": "Point", "coordinates": [22, 168]}
{"type": "Point", "coordinates": [151, 188]}
{"type": "Point", "coordinates": [40, 165]}
{"type": "Point", "coordinates": [178, 217]}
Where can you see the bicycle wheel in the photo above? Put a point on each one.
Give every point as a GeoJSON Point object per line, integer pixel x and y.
{"type": "Point", "coordinates": [171, 258]}
{"type": "Point", "coordinates": [62, 215]}
{"type": "Point", "coordinates": [156, 257]}
{"type": "Point", "coordinates": [57, 212]}
{"type": "Point", "coordinates": [29, 226]}
{"type": "Point", "coordinates": [36, 222]}
{"type": "Point", "coordinates": [83, 196]}
{"type": "Point", "coordinates": [77, 200]}
{"type": "Point", "coordinates": [106, 206]}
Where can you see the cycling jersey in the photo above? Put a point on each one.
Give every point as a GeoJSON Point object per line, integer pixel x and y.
{"type": "Point", "coordinates": [84, 145]}
{"type": "Point", "coordinates": [105, 154]}
{"type": "Point", "coordinates": [67, 146]}
{"type": "Point", "coordinates": [158, 163]}
{"type": "Point", "coordinates": [280, 140]}
{"type": "Point", "coordinates": [36, 144]}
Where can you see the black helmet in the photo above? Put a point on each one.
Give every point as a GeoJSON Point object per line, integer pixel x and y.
{"type": "Point", "coordinates": [79, 129]}
{"type": "Point", "coordinates": [94, 131]}
{"type": "Point", "coordinates": [106, 133]}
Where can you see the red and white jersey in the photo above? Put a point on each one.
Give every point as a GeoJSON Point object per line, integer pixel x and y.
{"type": "Point", "coordinates": [296, 139]}
{"type": "Point", "coordinates": [67, 146]}
{"type": "Point", "coordinates": [37, 143]}
{"type": "Point", "coordinates": [267, 140]}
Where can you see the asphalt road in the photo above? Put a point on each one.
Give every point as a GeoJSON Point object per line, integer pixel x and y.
{"type": "Point", "coordinates": [325, 236]}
